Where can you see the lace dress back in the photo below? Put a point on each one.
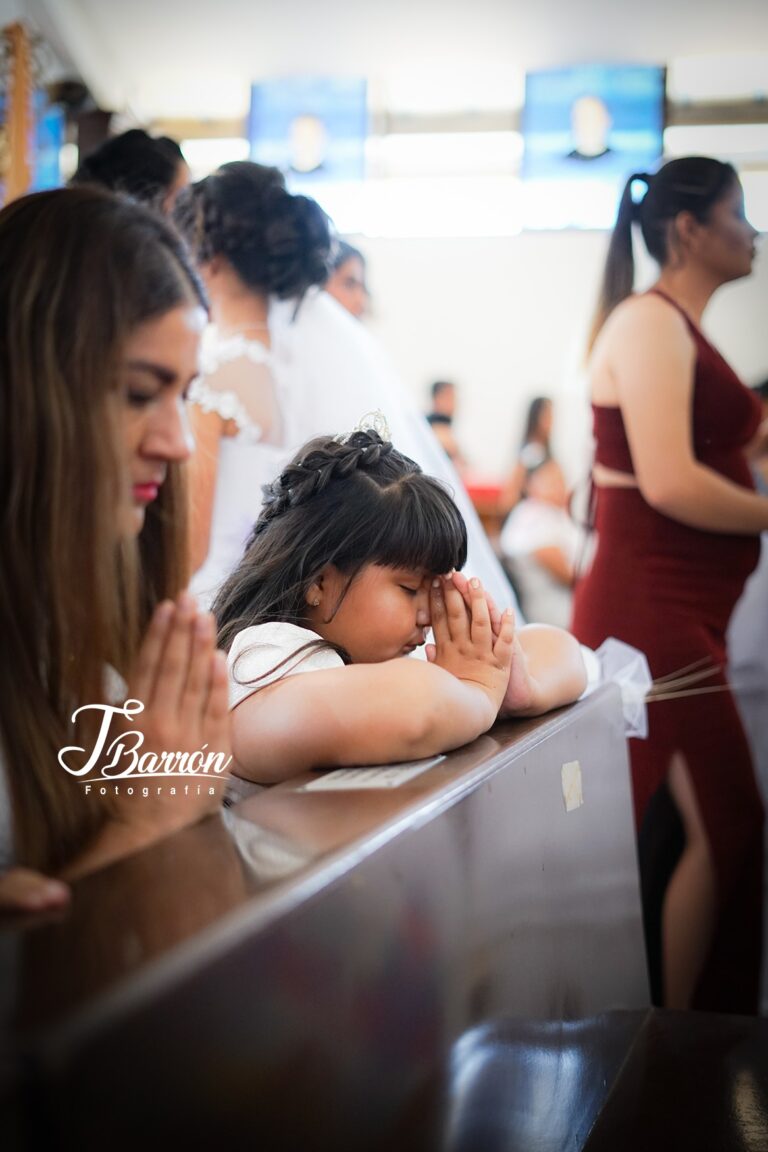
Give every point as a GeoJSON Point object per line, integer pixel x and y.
{"type": "Point", "coordinates": [239, 385]}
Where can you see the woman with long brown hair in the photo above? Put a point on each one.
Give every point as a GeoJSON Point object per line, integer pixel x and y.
{"type": "Point", "coordinates": [100, 321]}
{"type": "Point", "coordinates": [678, 525]}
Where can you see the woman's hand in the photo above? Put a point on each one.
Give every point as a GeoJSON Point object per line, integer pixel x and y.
{"type": "Point", "coordinates": [466, 642]}
{"type": "Point", "coordinates": [181, 679]}
{"type": "Point", "coordinates": [22, 890]}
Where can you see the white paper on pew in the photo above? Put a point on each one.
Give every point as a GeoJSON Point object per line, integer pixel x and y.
{"type": "Point", "coordinates": [573, 793]}
{"type": "Point", "coordinates": [377, 776]}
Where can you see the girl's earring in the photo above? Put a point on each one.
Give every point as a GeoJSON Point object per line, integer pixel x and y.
{"type": "Point", "coordinates": [313, 594]}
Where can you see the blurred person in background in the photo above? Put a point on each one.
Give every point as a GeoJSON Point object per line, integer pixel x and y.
{"type": "Point", "coordinates": [148, 168]}
{"type": "Point", "coordinates": [534, 449]}
{"type": "Point", "coordinates": [346, 281]}
{"type": "Point", "coordinates": [440, 419]}
{"type": "Point", "coordinates": [540, 542]}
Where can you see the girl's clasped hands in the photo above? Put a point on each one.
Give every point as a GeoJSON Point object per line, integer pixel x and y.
{"type": "Point", "coordinates": [472, 640]}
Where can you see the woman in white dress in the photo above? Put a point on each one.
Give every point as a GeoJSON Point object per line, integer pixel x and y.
{"type": "Point", "coordinates": [254, 242]}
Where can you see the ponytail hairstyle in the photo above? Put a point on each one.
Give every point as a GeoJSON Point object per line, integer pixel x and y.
{"type": "Point", "coordinates": [350, 503]}
{"type": "Point", "coordinates": [692, 184]}
{"type": "Point", "coordinates": [277, 243]}
{"type": "Point", "coordinates": [80, 270]}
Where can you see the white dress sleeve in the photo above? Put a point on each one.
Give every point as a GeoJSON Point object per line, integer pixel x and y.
{"type": "Point", "coordinates": [267, 652]}
{"type": "Point", "coordinates": [224, 402]}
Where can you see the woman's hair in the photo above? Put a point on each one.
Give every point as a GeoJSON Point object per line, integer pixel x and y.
{"type": "Point", "coordinates": [171, 148]}
{"type": "Point", "coordinates": [349, 503]}
{"type": "Point", "coordinates": [692, 184]}
{"type": "Point", "coordinates": [80, 269]}
{"type": "Point", "coordinates": [342, 251]}
{"type": "Point", "coordinates": [277, 243]}
{"type": "Point", "coordinates": [535, 409]}
{"type": "Point", "coordinates": [134, 163]}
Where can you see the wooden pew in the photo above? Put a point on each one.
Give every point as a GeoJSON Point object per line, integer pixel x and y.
{"type": "Point", "coordinates": [300, 979]}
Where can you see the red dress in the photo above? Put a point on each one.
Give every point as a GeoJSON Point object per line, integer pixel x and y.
{"type": "Point", "coordinates": [669, 590]}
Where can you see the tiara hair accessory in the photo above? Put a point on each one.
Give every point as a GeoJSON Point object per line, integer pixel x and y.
{"type": "Point", "coordinates": [376, 422]}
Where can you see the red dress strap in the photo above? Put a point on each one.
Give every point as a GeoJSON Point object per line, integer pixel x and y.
{"type": "Point", "coordinates": [695, 330]}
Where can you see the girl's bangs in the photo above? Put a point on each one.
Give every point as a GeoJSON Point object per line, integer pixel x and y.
{"type": "Point", "coordinates": [421, 528]}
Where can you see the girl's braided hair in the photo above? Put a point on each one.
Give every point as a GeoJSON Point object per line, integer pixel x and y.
{"type": "Point", "coordinates": [321, 462]}
{"type": "Point", "coordinates": [348, 502]}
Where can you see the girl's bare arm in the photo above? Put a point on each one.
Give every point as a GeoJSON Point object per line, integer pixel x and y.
{"type": "Point", "coordinates": [379, 713]}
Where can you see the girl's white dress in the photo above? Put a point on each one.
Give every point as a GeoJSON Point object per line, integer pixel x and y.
{"type": "Point", "coordinates": [259, 656]}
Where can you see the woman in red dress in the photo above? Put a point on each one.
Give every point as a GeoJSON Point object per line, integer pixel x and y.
{"type": "Point", "coordinates": [678, 525]}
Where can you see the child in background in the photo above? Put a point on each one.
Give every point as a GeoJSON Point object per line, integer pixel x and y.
{"type": "Point", "coordinates": [342, 577]}
{"type": "Point", "coordinates": [541, 544]}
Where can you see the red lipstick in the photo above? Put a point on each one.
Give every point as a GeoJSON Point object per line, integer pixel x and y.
{"type": "Point", "coordinates": [145, 493]}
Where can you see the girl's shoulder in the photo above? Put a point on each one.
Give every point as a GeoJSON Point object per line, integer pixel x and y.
{"type": "Point", "coordinates": [276, 634]}
{"type": "Point", "coordinates": [264, 653]}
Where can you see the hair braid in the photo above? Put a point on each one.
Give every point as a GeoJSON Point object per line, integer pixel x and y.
{"type": "Point", "coordinates": [342, 501]}
{"type": "Point", "coordinates": [321, 463]}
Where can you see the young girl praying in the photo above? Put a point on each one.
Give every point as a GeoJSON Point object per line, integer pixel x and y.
{"type": "Point", "coordinates": [343, 576]}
